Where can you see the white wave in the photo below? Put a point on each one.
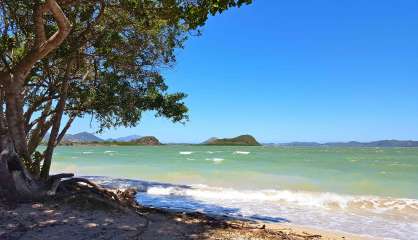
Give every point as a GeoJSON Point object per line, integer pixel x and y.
{"type": "Point", "coordinates": [88, 152]}
{"type": "Point", "coordinates": [215, 160]}
{"type": "Point", "coordinates": [301, 198]}
{"type": "Point", "coordinates": [109, 151]}
{"type": "Point", "coordinates": [304, 208]}
{"type": "Point", "coordinates": [185, 153]}
{"type": "Point", "coordinates": [210, 152]}
{"type": "Point", "coordinates": [242, 152]}
{"type": "Point", "coordinates": [348, 213]}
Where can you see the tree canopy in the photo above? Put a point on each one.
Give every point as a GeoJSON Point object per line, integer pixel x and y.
{"type": "Point", "coordinates": [101, 58]}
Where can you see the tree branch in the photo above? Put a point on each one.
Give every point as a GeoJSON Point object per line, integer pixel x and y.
{"type": "Point", "coordinates": [34, 107]}
{"type": "Point", "coordinates": [65, 129]}
{"type": "Point", "coordinates": [56, 122]}
{"type": "Point", "coordinates": [41, 125]}
{"type": "Point", "coordinates": [44, 47]}
{"type": "Point", "coordinates": [40, 35]}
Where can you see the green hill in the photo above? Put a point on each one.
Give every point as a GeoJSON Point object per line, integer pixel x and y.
{"type": "Point", "coordinates": [243, 140]}
{"type": "Point", "coordinates": [148, 140]}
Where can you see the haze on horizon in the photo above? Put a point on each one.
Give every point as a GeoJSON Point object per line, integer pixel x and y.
{"type": "Point", "coordinates": [320, 71]}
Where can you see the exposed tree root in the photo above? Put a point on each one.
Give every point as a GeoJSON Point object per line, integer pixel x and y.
{"type": "Point", "coordinates": [86, 194]}
{"type": "Point", "coordinates": [83, 193]}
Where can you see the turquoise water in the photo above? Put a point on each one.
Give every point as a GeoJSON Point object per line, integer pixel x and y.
{"type": "Point", "coordinates": [363, 190]}
{"type": "Point", "coordinates": [372, 171]}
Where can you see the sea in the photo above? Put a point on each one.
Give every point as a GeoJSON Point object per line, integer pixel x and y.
{"type": "Point", "coordinates": [366, 191]}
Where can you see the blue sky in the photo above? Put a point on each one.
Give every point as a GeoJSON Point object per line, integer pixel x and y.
{"type": "Point", "coordinates": [304, 70]}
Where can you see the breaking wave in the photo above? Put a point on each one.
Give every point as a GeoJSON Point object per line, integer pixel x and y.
{"type": "Point", "coordinates": [185, 153]}
{"type": "Point", "coordinates": [310, 199]}
{"type": "Point", "coordinates": [390, 218]}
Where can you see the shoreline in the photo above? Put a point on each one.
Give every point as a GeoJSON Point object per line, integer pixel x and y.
{"type": "Point", "coordinates": [58, 220]}
{"type": "Point", "coordinates": [326, 233]}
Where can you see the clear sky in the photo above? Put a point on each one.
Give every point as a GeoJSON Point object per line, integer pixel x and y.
{"type": "Point", "coordinates": [305, 70]}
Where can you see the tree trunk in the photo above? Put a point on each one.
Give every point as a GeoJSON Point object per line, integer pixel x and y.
{"type": "Point", "coordinates": [7, 184]}
{"type": "Point", "coordinates": [16, 184]}
{"type": "Point", "coordinates": [14, 115]}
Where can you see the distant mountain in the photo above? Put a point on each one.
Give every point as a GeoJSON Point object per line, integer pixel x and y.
{"type": "Point", "coordinates": [382, 143]}
{"type": "Point", "coordinates": [210, 140]}
{"type": "Point", "coordinates": [244, 140]}
{"type": "Point", "coordinates": [147, 140]}
{"type": "Point", "coordinates": [82, 137]}
{"type": "Point", "coordinates": [125, 139]}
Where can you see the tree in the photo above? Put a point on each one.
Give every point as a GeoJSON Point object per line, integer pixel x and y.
{"type": "Point", "coordinates": [72, 58]}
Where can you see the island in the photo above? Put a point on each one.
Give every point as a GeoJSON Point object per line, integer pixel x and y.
{"type": "Point", "coordinates": [85, 138]}
{"type": "Point", "coordinates": [243, 140]}
{"type": "Point", "coordinates": [147, 140]}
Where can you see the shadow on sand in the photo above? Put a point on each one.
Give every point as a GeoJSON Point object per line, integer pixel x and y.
{"type": "Point", "coordinates": [58, 221]}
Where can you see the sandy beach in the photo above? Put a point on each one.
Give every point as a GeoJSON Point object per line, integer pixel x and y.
{"type": "Point", "coordinates": [57, 220]}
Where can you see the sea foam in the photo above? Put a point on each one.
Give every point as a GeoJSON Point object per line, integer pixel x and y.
{"type": "Point", "coordinates": [215, 160]}
{"type": "Point", "coordinates": [303, 198]}
{"type": "Point", "coordinates": [185, 153]}
{"type": "Point", "coordinates": [242, 152]}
